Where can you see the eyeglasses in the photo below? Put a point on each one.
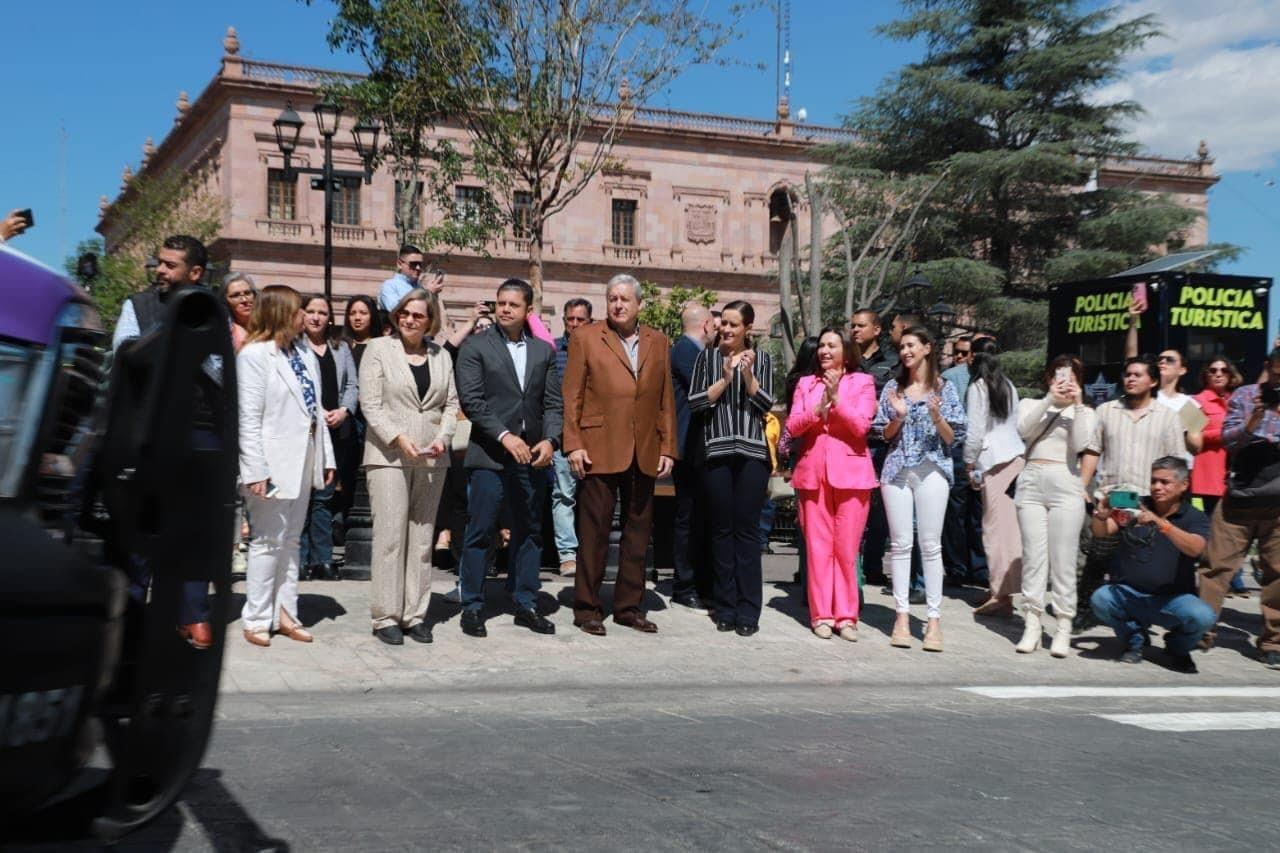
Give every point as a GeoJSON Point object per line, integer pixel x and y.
{"type": "Point", "coordinates": [242, 296]}
{"type": "Point", "coordinates": [960, 352]}
{"type": "Point", "coordinates": [1217, 370]}
{"type": "Point", "coordinates": [413, 265]}
{"type": "Point", "coordinates": [1168, 359]}
{"type": "Point", "coordinates": [413, 315]}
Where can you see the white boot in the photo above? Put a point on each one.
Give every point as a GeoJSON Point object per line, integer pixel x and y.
{"type": "Point", "coordinates": [1031, 634]}
{"type": "Point", "coordinates": [1062, 640]}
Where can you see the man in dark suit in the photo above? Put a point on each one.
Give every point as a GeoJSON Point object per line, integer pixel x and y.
{"type": "Point", "coordinates": [509, 389]}
{"type": "Point", "coordinates": [689, 538]}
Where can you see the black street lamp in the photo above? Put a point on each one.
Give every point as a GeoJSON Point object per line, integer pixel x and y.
{"type": "Point", "coordinates": [942, 314]}
{"type": "Point", "coordinates": [288, 127]}
{"type": "Point", "coordinates": [914, 289]}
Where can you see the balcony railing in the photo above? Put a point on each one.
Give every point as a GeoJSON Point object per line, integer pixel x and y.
{"type": "Point", "coordinates": [355, 234]}
{"type": "Point", "coordinates": [287, 228]}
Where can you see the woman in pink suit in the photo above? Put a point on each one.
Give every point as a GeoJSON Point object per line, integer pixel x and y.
{"type": "Point", "coordinates": [830, 416]}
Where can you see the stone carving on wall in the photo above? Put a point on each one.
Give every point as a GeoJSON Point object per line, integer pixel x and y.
{"type": "Point", "coordinates": [700, 223]}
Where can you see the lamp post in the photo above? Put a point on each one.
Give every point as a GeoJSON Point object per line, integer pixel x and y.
{"type": "Point", "coordinates": [288, 126]}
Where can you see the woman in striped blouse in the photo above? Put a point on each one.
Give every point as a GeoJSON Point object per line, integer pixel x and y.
{"type": "Point", "coordinates": [731, 391]}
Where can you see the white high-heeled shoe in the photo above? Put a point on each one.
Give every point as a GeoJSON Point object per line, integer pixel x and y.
{"type": "Point", "coordinates": [1032, 634]}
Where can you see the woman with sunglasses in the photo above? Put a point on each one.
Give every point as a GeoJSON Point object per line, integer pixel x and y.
{"type": "Point", "coordinates": [411, 407]}
{"type": "Point", "coordinates": [240, 294]}
{"type": "Point", "coordinates": [1218, 379]}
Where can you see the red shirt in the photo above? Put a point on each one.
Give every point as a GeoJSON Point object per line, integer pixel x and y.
{"type": "Point", "coordinates": [1209, 476]}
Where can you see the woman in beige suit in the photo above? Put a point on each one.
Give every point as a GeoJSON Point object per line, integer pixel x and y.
{"type": "Point", "coordinates": [408, 399]}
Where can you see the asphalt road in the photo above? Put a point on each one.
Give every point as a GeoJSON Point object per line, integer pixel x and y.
{"type": "Point", "coordinates": [752, 767]}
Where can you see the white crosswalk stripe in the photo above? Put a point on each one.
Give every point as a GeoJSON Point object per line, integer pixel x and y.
{"type": "Point", "coordinates": [1225, 721]}
{"type": "Point", "coordinates": [1047, 691]}
{"type": "Point", "coordinates": [1163, 721]}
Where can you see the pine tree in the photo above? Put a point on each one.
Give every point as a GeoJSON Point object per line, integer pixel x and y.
{"type": "Point", "coordinates": [1005, 101]}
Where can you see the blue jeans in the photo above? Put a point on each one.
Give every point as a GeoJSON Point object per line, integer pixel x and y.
{"type": "Point", "coordinates": [317, 532]}
{"type": "Point", "coordinates": [563, 500]}
{"type": "Point", "coordinates": [1130, 613]}
{"type": "Point", "coordinates": [767, 513]}
{"type": "Point", "coordinates": [522, 488]}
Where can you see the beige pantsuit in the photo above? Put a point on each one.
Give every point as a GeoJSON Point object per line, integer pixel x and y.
{"type": "Point", "coordinates": [404, 493]}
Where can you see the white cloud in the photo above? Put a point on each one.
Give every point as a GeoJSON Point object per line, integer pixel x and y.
{"type": "Point", "coordinates": [1215, 76]}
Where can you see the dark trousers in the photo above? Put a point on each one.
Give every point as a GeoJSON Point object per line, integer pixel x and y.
{"type": "Point", "coordinates": [690, 544]}
{"type": "Point", "coordinates": [963, 556]}
{"type": "Point", "coordinates": [522, 489]}
{"type": "Point", "coordinates": [598, 494]}
{"type": "Point", "coordinates": [317, 531]}
{"type": "Point", "coordinates": [735, 489]}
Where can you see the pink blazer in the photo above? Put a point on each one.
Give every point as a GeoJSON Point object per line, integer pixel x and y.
{"type": "Point", "coordinates": [835, 451]}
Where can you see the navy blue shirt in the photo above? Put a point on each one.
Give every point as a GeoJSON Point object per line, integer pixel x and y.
{"type": "Point", "coordinates": [1147, 561]}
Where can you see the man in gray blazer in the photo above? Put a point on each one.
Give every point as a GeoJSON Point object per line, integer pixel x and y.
{"type": "Point", "coordinates": [509, 389]}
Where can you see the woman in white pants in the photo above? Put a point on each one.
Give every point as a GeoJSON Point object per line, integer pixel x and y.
{"type": "Point", "coordinates": [993, 458]}
{"type": "Point", "coordinates": [1050, 501]}
{"type": "Point", "coordinates": [285, 452]}
{"type": "Point", "coordinates": [920, 416]}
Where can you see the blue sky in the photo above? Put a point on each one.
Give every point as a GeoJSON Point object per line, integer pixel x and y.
{"type": "Point", "coordinates": [109, 80]}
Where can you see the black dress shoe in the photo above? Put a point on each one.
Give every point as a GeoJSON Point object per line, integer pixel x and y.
{"type": "Point", "coordinates": [748, 630]}
{"type": "Point", "coordinates": [306, 573]}
{"type": "Point", "coordinates": [326, 572]}
{"type": "Point", "coordinates": [725, 626]}
{"type": "Point", "coordinates": [473, 624]}
{"type": "Point", "coordinates": [391, 635]}
{"type": "Point", "coordinates": [420, 633]}
{"type": "Point", "coordinates": [1183, 663]}
{"type": "Point", "coordinates": [691, 601]}
{"type": "Point", "coordinates": [535, 622]}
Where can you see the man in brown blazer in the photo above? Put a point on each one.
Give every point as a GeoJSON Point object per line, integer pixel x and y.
{"type": "Point", "coordinates": [619, 436]}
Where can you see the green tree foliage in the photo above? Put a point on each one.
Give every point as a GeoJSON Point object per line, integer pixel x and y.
{"type": "Point", "coordinates": [662, 311]}
{"type": "Point", "coordinates": [1005, 104]}
{"type": "Point", "coordinates": [152, 208]}
{"type": "Point", "coordinates": [543, 89]}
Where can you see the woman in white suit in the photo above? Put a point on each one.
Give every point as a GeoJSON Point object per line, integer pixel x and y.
{"type": "Point", "coordinates": [409, 402]}
{"type": "Point", "coordinates": [285, 452]}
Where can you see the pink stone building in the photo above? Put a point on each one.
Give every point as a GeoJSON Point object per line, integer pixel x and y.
{"type": "Point", "coordinates": [689, 202]}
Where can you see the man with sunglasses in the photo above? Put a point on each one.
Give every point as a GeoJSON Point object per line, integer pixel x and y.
{"type": "Point", "coordinates": [1153, 568]}
{"type": "Point", "coordinates": [410, 273]}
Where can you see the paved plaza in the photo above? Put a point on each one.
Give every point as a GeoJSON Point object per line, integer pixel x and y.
{"type": "Point", "coordinates": [695, 740]}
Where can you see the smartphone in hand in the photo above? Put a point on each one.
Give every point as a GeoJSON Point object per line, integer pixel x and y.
{"type": "Point", "coordinates": [1140, 295]}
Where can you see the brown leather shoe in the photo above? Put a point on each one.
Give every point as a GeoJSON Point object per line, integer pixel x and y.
{"type": "Point", "coordinates": [637, 622]}
{"type": "Point", "coordinates": [594, 627]}
{"type": "Point", "coordinates": [257, 638]}
{"type": "Point", "coordinates": [198, 634]}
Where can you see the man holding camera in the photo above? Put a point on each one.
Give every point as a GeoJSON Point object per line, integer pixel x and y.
{"type": "Point", "coordinates": [1250, 510]}
{"type": "Point", "coordinates": [1153, 569]}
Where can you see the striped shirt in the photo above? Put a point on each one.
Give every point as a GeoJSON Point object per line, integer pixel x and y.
{"type": "Point", "coordinates": [734, 423]}
{"type": "Point", "coordinates": [1129, 447]}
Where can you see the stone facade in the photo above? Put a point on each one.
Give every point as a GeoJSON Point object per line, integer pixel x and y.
{"type": "Point", "coordinates": [701, 185]}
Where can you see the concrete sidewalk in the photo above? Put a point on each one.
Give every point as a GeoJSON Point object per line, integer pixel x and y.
{"type": "Point", "coordinates": [688, 651]}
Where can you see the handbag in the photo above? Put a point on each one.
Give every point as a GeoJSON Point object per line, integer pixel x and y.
{"type": "Point", "coordinates": [780, 487]}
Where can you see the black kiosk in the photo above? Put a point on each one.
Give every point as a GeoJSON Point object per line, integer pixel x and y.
{"type": "Point", "coordinates": [1202, 315]}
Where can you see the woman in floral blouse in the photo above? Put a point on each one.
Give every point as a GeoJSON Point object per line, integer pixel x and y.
{"type": "Point", "coordinates": [920, 416]}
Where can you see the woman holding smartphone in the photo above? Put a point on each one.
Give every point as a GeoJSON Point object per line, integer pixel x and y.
{"type": "Point", "coordinates": [411, 408]}
{"type": "Point", "coordinates": [920, 416]}
{"type": "Point", "coordinates": [1051, 501]}
{"type": "Point", "coordinates": [285, 452]}
{"type": "Point", "coordinates": [731, 391]}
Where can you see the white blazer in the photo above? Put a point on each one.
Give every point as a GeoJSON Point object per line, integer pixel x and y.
{"type": "Point", "coordinates": [274, 425]}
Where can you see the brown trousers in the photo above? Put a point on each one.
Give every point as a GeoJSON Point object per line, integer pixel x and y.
{"type": "Point", "coordinates": [597, 496]}
{"type": "Point", "coordinates": [1233, 530]}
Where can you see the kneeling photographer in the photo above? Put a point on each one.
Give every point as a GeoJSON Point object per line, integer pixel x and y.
{"type": "Point", "coordinates": [1159, 540]}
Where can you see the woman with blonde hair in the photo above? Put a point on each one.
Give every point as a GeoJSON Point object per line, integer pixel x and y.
{"type": "Point", "coordinates": [410, 404]}
{"type": "Point", "coordinates": [285, 452]}
{"type": "Point", "coordinates": [240, 293]}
